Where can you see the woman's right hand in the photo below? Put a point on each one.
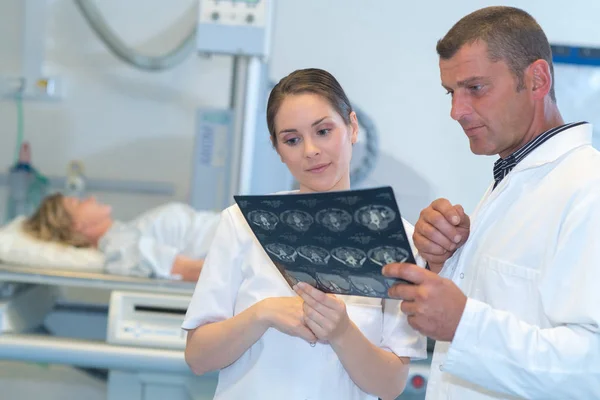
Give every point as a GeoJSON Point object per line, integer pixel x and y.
{"type": "Point", "coordinates": [286, 314]}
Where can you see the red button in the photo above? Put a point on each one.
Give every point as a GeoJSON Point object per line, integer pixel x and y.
{"type": "Point", "coordinates": [417, 381]}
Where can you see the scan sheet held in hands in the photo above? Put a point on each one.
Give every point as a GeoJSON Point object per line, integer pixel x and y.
{"type": "Point", "coordinates": [337, 242]}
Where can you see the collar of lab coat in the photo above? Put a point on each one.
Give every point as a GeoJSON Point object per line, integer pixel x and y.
{"type": "Point", "coordinates": [557, 146]}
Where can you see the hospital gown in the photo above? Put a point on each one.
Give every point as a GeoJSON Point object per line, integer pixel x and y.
{"type": "Point", "coordinates": [148, 245]}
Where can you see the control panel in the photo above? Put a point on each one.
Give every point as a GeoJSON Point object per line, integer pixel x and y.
{"type": "Point", "coordinates": [147, 320]}
{"type": "Point", "coordinates": [235, 27]}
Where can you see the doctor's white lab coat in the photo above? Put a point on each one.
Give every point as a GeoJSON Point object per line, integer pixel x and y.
{"type": "Point", "coordinates": [531, 270]}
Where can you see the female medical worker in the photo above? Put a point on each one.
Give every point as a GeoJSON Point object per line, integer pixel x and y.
{"type": "Point", "coordinates": [170, 240]}
{"type": "Point", "coordinates": [245, 320]}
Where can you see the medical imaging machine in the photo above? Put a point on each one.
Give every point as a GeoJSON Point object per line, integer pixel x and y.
{"type": "Point", "coordinates": [143, 346]}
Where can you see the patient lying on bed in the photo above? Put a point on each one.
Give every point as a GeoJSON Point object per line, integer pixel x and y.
{"type": "Point", "coordinates": [171, 240]}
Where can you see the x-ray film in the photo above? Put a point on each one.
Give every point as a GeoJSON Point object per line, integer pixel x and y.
{"type": "Point", "coordinates": [335, 241]}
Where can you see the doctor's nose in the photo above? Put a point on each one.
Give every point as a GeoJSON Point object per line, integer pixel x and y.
{"type": "Point", "coordinates": [460, 108]}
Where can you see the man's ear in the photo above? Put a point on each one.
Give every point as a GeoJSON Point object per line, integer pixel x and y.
{"type": "Point", "coordinates": [540, 77]}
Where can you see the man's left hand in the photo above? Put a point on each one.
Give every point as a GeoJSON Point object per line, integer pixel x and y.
{"type": "Point", "coordinates": [433, 305]}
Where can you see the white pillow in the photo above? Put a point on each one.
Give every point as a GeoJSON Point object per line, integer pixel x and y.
{"type": "Point", "coordinates": [18, 247]}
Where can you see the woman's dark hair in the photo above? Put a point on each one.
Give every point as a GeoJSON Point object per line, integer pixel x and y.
{"type": "Point", "coordinates": [311, 80]}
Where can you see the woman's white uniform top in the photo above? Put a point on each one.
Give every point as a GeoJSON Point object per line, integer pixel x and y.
{"type": "Point", "coordinates": [237, 274]}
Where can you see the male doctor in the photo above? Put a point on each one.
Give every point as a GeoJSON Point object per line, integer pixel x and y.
{"type": "Point", "coordinates": [515, 308]}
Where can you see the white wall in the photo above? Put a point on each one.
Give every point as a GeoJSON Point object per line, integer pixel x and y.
{"type": "Point", "coordinates": [129, 124]}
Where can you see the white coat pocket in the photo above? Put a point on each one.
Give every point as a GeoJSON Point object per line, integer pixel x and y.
{"type": "Point", "coordinates": [510, 287]}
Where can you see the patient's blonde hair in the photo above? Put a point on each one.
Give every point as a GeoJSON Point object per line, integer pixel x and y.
{"type": "Point", "coordinates": [52, 223]}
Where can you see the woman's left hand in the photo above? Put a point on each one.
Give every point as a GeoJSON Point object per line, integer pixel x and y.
{"type": "Point", "coordinates": [324, 314]}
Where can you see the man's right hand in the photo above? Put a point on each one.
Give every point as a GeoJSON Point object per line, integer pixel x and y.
{"type": "Point", "coordinates": [441, 229]}
{"type": "Point", "coordinates": [286, 314]}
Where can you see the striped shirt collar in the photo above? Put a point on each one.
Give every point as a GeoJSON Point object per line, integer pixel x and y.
{"type": "Point", "coordinates": [504, 165]}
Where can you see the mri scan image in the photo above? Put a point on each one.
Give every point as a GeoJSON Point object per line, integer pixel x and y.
{"type": "Point", "coordinates": [334, 219]}
{"type": "Point", "coordinates": [375, 217]}
{"type": "Point", "coordinates": [391, 282]}
{"type": "Point", "coordinates": [333, 283]}
{"type": "Point", "coordinates": [297, 220]}
{"type": "Point", "coordinates": [314, 254]}
{"type": "Point", "coordinates": [265, 219]}
{"type": "Point", "coordinates": [368, 286]}
{"type": "Point", "coordinates": [298, 276]}
{"type": "Point", "coordinates": [282, 251]}
{"type": "Point", "coordinates": [384, 255]}
{"type": "Point", "coordinates": [321, 238]}
{"type": "Point", "coordinates": [349, 256]}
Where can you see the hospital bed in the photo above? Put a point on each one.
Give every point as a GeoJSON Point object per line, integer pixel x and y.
{"type": "Point", "coordinates": [143, 345]}
{"type": "Point", "coordinates": [59, 307]}
{"type": "Point", "coordinates": [86, 279]}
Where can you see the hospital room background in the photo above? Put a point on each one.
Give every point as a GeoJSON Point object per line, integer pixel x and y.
{"type": "Point", "coordinates": [134, 133]}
